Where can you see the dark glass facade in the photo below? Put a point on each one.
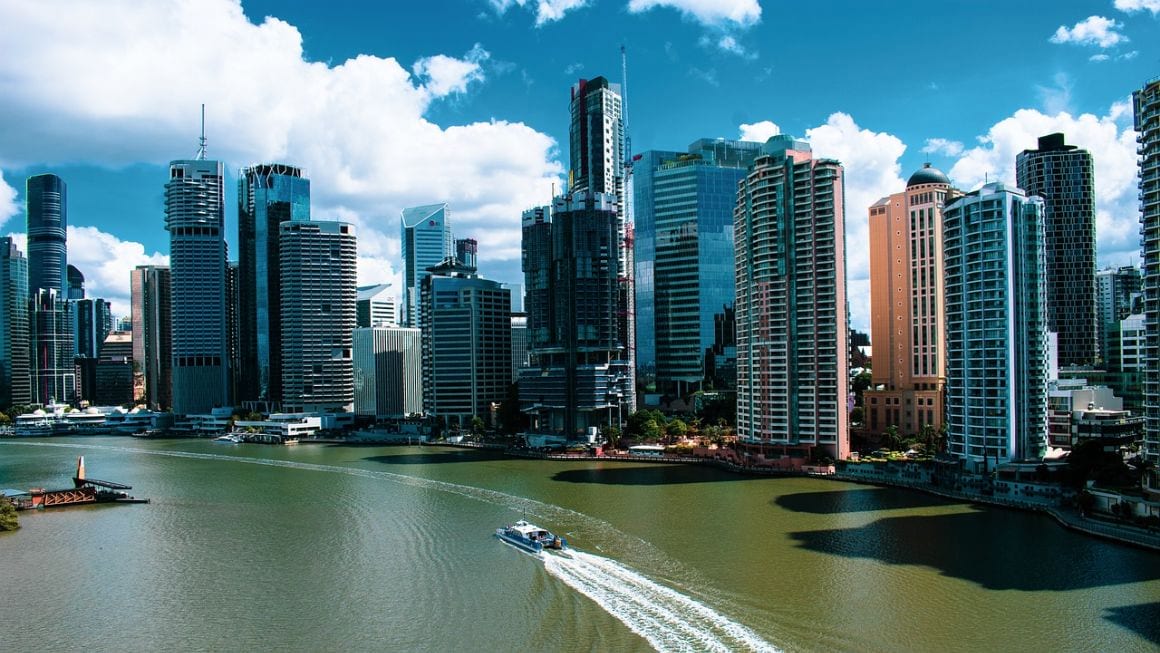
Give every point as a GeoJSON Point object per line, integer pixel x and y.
{"type": "Point", "coordinates": [268, 195]}
{"type": "Point", "coordinates": [14, 386]}
{"type": "Point", "coordinates": [1062, 175]}
{"type": "Point", "coordinates": [47, 198]}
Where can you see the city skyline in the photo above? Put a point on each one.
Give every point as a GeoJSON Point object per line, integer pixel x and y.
{"type": "Point", "coordinates": [492, 92]}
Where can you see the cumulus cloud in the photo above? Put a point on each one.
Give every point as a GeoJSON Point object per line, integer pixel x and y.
{"type": "Point", "coordinates": [8, 206]}
{"type": "Point", "coordinates": [105, 260]}
{"type": "Point", "coordinates": [546, 10]}
{"type": "Point", "coordinates": [759, 132]}
{"type": "Point", "coordinates": [1133, 6]}
{"type": "Point", "coordinates": [872, 171]}
{"type": "Point", "coordinates": [1110, 139]}
{"type": "Point", "coordinates": [942, 146]}
{"type": "Point", "coordinates": [1093, 30]}
{"type": "Point", "coordinates": [129, 79]}
{"type": "Point", "coordinates": [711, 13]}
{"type": "Point", "coordinates": [444, 75]}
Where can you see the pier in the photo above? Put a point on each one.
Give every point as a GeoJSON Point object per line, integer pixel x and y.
{"type": "Point", "coordinates": [84, 491]}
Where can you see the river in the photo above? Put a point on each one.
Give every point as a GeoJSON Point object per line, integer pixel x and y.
{"type": "Point", "coordinates": [319, 547]}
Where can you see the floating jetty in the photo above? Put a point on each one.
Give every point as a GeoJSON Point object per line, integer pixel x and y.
{"type": "Point", "coordinates": [84, 491]}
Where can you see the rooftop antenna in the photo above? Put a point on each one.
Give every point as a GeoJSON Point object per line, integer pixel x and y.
{"type": "Point", "coordinates": [201, 141]}
{"type": "Point", "coordinates": [624, 107]}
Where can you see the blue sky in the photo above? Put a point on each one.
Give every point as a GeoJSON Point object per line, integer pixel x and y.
{"type": "Point", "coordinates": [389, 105]}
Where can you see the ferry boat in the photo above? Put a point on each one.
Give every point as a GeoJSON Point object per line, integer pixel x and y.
{"type": "Point", "coordinates": [229, 438]}
{"type": "Point", "coordinates": [530, 537]}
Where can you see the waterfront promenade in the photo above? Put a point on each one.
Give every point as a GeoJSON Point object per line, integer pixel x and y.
{"type": "Point", "coordinates": [971, 492]}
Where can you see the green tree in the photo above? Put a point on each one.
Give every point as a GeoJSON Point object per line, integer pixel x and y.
{"type": "Point", "coordinates": [611, 435]}
{"type": "Point", "coordinates": [5, 419]}
{"type": "Point", "coordinates": [8, 518]}
{"type": "Point", "coordinates": [676, 428]}
{"type": "Point", "coordinates": [859, 385]}
{"type": "Point", "coordinates": [890, 438]}
{"type": "Point", "coordinates": [477, 426]}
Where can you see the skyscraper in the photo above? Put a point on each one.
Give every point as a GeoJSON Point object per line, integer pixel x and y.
{"type": "Point", "coordinates": [995, 325]}
{"type": "Point", "coordinates": [47, 210]}
{"type": "Point", "coordinates": [14, 373]}
{"type": "Point", "coordinates": [466, 251]}
{"type": "Point", "coordinates": [114, 371]}
{"type": "Point", "coordinates": [318, 261]}
{"type": "Point", "coordinates": [268, 195]}
{"type": "Point", "coordinates": [194, 217]}
{"type": "Point", "coordinates": [1062, 175]}
{"type": "Point", "coordinates": [152, 333]}
{"type": "Point", "coordinates": [580, 374]}
{"type": "Point", "coordinates": [644, 250]}
{"type": "Point", "coordinates": [467, 346]}
{"type": "Point", "coordinates": [791, 301]}
{"type": "Point", "coordinates": [1146, 103]}
{"type": "Point", "coordinates": [75, 288]}
{"type": "Point", "coordinates": [906, 300]}
{"type": "Point", "coordinates": [684, 206]}
{"type": "Point", "coordinates": [388, 372]}
{"type": "Point", "coordinates": [426, 242]}
{"type": "Point", "coordinates": [51, 365]}
{"type": "Point", "coordinates": [92, 321]}
{"type": "Point", "coordinates": [597, 158]}
{"type": "Point", "coordinates": [376, 306]}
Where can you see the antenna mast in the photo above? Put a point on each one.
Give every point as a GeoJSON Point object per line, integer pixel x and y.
{"type": "Point", "coordinates": [624, 107]}
{"type": "Point", "coordinates": [201, 141]}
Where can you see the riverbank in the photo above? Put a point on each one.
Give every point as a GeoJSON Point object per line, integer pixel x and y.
{"type": "Point", "coordinates": [1071, 520]}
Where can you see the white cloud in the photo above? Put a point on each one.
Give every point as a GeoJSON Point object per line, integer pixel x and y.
{"type": "Point", "coordinates": [711, 13]}
{"type": "Point", "coordinates": [546, 10]}
{"type": "Point", "coordinates": [445, 75]}
{"type": "Point", "coordinates": [1099, 57]}
{"type": "Point", "coordinates": [1112, 143]}
{"type": "Point", "coordinates": [759, 132]}
{"type": "Point", "coordinates": [1093, 30]}
{"type": "Point", "coordinates": [729, 43]}
{"type": "Point", "coordinates": [1128, 56]}
{"type": "Point", "coordinates": [129, 79]}
{"type": "Point", "coordinates": [943, 146]}
{"type": "Point", "coordinates": [105, 260]}
{"type": "Point", "coordinates": [872, 171]}
{"type": "Point", "coordinates": [8, 206]}
{"type": "Point", "coordinates": [1132, 6]}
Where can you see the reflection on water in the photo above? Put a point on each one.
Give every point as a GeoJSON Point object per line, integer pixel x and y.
{"type": "Point", "coordinates": [381, 548]}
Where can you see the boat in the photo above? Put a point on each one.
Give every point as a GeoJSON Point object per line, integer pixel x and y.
{"type": "Point", "coordinates": [530, 538]}
{"type": "Point", "coordinates": [229, 438]}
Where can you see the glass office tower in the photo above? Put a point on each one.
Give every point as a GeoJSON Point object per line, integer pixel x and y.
{"type": "Point", "coordinates": [268, 195]}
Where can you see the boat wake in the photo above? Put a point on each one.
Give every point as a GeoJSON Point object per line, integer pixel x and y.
{"type": "Point", "coordinates": [666, 618]}
{"type": "Point", "coordinates": [669, 620]}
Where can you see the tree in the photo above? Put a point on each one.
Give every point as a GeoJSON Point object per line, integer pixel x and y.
{"type": "Point", "coordinates": [611, 435]}
{"type": "Point", "coordinates": [676, 428]}
{"type": "Point", "coordinates": [5, 419]}
{"type": "Point", "coordinates": [477, 426]}
{"type": "Point", "coordinates": [859, 385]}
{"type": "Point", "coordinates": [890, 437]}
{"type": "Point", "coordinates": [8, 518]}
{"type": "Point", "coordinates": [857, 415]}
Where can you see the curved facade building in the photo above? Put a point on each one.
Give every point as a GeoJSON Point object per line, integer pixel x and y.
{"type": "Point", "coordinates": [194, 217]}
{"type": "Point", "coordinates": [996, 325]}
{"type": "Point", "coordinates": [47, 198]}
{"type": "Point", "coordinates": [1062, 175]}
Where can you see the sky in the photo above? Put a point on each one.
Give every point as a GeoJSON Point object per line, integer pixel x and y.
{"type": "Point", "coordinates": [389, 105]}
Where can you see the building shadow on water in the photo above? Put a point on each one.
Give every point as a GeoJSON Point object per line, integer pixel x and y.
{"type": "Point", "coordinates": [859, 500]}
{"type": "Point", "coordinates": [647, 474]}
{"type": "Point", "coordinates": [436, 458]}
{"type": "Point", "coordinates": [997, 549]}
{"type": "Point", "coordinates": [1143, 619]}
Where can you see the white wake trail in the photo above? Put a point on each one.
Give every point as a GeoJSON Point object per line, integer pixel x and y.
{"type": "Point", "coordinates": [669, 620]}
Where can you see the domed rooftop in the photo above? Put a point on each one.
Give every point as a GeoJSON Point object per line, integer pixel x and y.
{"type": "Point", "coordinates": [927, 175]}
